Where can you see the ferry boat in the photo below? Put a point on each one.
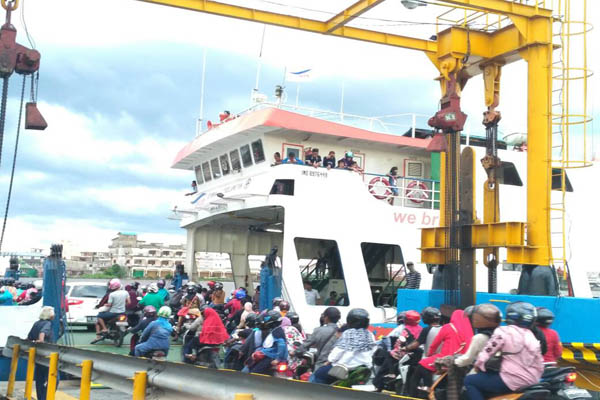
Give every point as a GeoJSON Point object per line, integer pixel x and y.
{"type": "Point", "coordinates": [344, 231]}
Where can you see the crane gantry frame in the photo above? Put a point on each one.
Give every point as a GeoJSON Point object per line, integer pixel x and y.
{"type": "Point", "coordinates": [528, 37]}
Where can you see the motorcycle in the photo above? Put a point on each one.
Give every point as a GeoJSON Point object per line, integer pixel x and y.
{"type": "Point", "coordinates": [117, 329]}
{"type": "Point", "coordinates": [561, 382]}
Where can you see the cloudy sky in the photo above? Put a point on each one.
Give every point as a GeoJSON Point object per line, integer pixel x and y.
{"type": "Point", "coordinates": [120, 88]}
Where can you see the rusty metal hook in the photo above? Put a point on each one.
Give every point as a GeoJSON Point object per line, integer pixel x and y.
{"type": "Point", "coordinates": [10, 5]}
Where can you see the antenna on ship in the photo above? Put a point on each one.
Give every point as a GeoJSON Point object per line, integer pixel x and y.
{"type": "Point", "coordinates": [199, 121]}
{"type": "Point", "coordinates": [255, 96]}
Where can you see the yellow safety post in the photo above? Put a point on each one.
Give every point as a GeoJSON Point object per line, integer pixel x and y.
{"type": "Point", "coordinates": [243, 396]}
{"type": "Point", "coordinates": [13, 370]}
{"type": "Point", "coordinates": [30, 370]}
{"type": "Point", "coordinates": [139, 385]}
{"type": "Point", "coordinates": [52, 376]}
{"type": "Point", "coordinates": [86, 379]}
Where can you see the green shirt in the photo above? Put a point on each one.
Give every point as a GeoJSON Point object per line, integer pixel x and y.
{"type": "Point", "coordinates": [152, 299]}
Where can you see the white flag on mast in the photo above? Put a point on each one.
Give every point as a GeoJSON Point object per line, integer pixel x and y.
{"type": "Point", "coordinates": [299, 74]}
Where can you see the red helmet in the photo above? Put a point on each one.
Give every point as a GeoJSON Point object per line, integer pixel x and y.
{"type": "Point", "coordinates": [211, 284]}
{"type": "Point", "coordinates": [412, 318]}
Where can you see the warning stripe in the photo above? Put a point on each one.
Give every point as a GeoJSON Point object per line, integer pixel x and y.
{"type": "Point", "coordinates": [588, 353]}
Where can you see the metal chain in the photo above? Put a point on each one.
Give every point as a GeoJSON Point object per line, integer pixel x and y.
{"type": "Point", "coordinates": [12, 173]}
{"type": "Point", "coordinates": [3, 111]}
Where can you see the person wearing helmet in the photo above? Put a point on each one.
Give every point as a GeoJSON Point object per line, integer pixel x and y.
{"type": "Point", "coordinates": [323, 338]}
{"type": "Point", "coordinates": [162, 290]}
{"type": "Point", "coordinates": [235, 304]}
{"type": "Point", "coordinates": [452, 339]}
{"type": "Point", "coordinates": [149, 313]}
{"type": "Point", "coordinates": [218, 295]}
{"type": "Point", "coordinates": [117, 302]}
{"type": "Point", "coordinates": [156, 335]}
{"type": "Point", "coordinates": [274, 348]}
{"type": "Point", "coordinates": [544, 319]}
{"type": "Point", "coordinates": [522, 361]}
{"type": "Point", "coordinates": [295, 320]}
{"type": "Point", "coordinates": [353, 349]}
{"type": "Point", "coordinates": [246, 312]}
{"type": "Point", "coordinates": [411, 330]}
{"type": "Point", "coordinates": [284, 308]}
{"type": "Point", "coordinates": [485, 318]}
{"type": "Point", "coordinates": [275, 303]}
{"type": "Point", "coordinates": [152, 297]}
{"type": "Point", "coordinates": [190, 301]}
{"type": "Point", "coordinates": [6, 298]}
{"type": "Point", "coordinates": [213, 333]}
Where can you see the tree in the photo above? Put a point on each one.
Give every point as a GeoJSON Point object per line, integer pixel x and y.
{"type": "Point", "coordinates": [118, 271]}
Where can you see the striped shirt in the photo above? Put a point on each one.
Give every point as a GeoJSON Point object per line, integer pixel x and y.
{"type": "Point", "coordinates": [413, 280]}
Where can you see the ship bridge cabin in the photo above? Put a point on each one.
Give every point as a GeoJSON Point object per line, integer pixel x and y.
{"type": "Point", "coordinates": [347, 231]}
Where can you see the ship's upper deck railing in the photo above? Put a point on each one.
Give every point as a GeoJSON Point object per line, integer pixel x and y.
{"type": "Point", "coordinates": [404, 191]}
{"type": "Point", "coordinates": [394, 124]}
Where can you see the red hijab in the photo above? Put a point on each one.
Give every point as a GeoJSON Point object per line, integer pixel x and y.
{"type": "Point", "coordinates": [453, 338]}
{"type": "Point", "coordinates": [213, 331]}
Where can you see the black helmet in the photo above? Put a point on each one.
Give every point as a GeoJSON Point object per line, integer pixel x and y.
{"type": "Point", "coordinates": [161, 283]}
{"type": "Point", "coordinates": [270, 320]}
{"type": "Point", "coordinates": [276, 301]}
{"type": "Point", "coordinates": [333, 314]}
{"type": "Point", "coordinates": [430, 315]}
{"type": "Point", "coordinates": [401, 317]}
{"type": "Point", "coordinates": [521, 314]}
{"type": "Point", "coordinates": [545, 317]}
{"type": "Point", "coordinates": [284, 305]}
{"type": "Point", "coordinates": [218, 286]}
{"type": "Point", "coordinates": [251, 320]}
{"type": "Point", "coordinates": [358, 318]}
{"type": "Point", "coordinates": [294, 317]}
{"type": "Point", "coordinates": [191, 290]}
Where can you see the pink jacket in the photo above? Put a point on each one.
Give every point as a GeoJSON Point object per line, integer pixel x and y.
{"type": "Point", "coordinates": [521, 368]}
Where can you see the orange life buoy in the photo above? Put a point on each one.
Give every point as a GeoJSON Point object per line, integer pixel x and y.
{"type": "Point", "coordinates": [416, 191]}
{"type": "Point", "coordinates": [379, 187]}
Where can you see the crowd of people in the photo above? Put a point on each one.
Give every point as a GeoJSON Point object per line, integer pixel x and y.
{"type": "Point", "coordinates": [14, 293]}
{"type": "Point", "coordinates": [230, 327]}
{"type": "Point", "coordinates": [312, 158]}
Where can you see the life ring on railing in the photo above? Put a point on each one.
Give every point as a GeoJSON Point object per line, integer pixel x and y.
{"type": "Point", "coordinates": [379, 187]}
{"type": "Point", "coordinates": [416, 191]}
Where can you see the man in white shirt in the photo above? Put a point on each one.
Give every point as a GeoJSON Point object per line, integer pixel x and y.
{"type": "Point", "coordinates": [312, 296]}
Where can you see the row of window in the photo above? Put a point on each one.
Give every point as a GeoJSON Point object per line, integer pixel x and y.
{"type": "Point", "coordinates": [245, 156]}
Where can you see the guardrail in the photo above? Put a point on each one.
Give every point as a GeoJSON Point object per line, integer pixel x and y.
{"type": "Point", "coordinates": [144, 378]}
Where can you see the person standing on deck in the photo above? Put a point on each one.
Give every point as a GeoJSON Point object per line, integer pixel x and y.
{"type": "Point", "coordinates": [413, 278]}
{"type": "Point", "coordinates": [41, 332]}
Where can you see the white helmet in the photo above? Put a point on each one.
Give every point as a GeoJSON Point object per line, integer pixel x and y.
{"type": "Point", "coordinates": [153, 288]}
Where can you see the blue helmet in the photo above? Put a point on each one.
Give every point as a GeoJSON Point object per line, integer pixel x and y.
{"type": "Point", "coordinates": [521, 314]}
{"type": "Point", "coordinates": [240, 294]}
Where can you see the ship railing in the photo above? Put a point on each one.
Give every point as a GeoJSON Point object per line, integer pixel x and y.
{"type": "Point", "coordinates": [145, 378]}
{"type": "Point", "coordinates": [394, 124]}
{"type": "Point", "coordinates": [405, 192]}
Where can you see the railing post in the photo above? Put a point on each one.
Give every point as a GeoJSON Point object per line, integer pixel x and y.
{"type": "Point", "coordinates": [52, 376]}
{"type": "Point", "coordinates": [13, 370]}
{"type": "Point", "coordinates": [139, 385]}
{"type": "Point", "coordinates": [30, 370]}
{"type": "Point", "coordinates": [86, 380]}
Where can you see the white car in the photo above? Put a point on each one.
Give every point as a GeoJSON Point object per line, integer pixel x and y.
{"type": "Point", "coordinates": [82, 298]}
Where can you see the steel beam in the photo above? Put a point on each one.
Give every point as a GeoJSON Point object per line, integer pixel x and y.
{"type": "Point", "coordinates": [304, 24]}
{"type": "Point", "coordinates": [503, 7]}
{"type": "Point", "coordinates": [356, 9]}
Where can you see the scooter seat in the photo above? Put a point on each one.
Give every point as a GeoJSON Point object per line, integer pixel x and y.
{"type": "Point", "coordinates": [536, 394]}
{"type": "Point", "coordinates": [535, 386]}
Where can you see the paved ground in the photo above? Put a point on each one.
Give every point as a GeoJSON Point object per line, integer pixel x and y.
{"type": "Point", "coordinates": [68, 390]}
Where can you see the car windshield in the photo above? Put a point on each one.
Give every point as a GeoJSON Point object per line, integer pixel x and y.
{"type": "Point", "coordinates": [93, 291]}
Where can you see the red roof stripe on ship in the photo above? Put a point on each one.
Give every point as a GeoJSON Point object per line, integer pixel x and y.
{"type": "Point", "coordinates": [275, 117]}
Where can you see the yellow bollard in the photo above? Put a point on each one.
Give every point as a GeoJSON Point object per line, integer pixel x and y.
{"type": "Point", "coordinates": [52, 376]}
{"type": "Point", "coordinates": [139, 385]}
{"type": "Point", "coordinates": [30, 370]}
{"type": "Point", "coordinates": [13, 370]}
{"type": "Point", "coordinates": [243, 396]}
{"type": "Point", "coordinates": [86, 379]}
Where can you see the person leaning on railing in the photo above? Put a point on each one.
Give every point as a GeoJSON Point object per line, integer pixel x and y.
{"type": "Point", "coordinates": [41, 332]}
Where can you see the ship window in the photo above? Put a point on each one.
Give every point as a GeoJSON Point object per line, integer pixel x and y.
{"type": "Point", "coordinates": [283, 186]}
{"type": "Point", "coordinates": [235, 160]}
{"type": "Point", "coordinates": [214, 165]}
{"type": "Point", "coordinates": [246, 156]}
{"type": "Point", "coordinates": [384, 269]}
{"type": "Point", "coordinates": [321, 265]}
{"type": "Point", "coordinates": [224, 164]}
{"type": "Point", "coordinates": [257, 151]}
{"type": "Point", "coordinates": [199, 177]}
{"type": "Point", "coordinates": [206, 172]}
